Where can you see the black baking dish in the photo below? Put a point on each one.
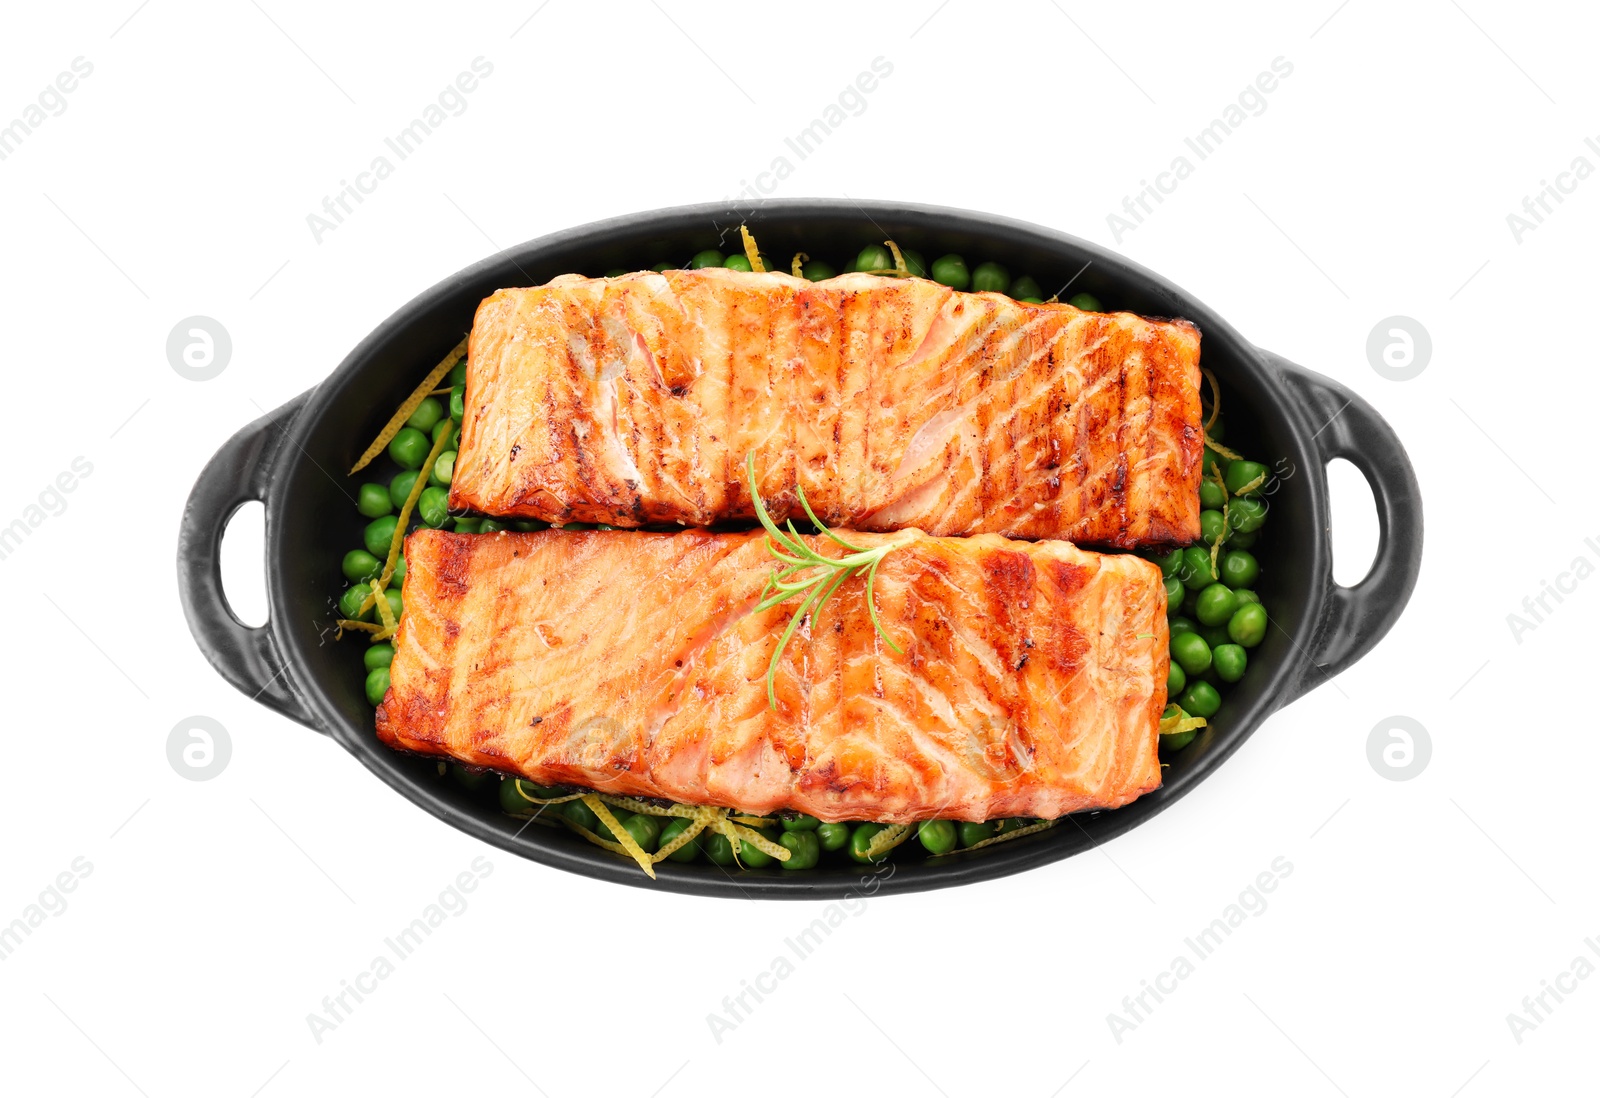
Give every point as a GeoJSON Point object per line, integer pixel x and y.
{"type": "Point", "coordinates": [1276, 412]}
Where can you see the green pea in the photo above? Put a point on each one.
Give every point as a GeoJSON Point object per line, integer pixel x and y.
{"type": "Point", "coordinates": [458, 372]}
{"type": "Point", "coordinates": [801, 823]}
{"type": "Point", "coordinates": [1239, 539]}
{"type": "Point", "coordinates": [708, 258]}
{"type": "Point", "coordinates": [659, 267]}
{"type": "Point", "coordinates": [1216, 604]}
{"type": "Point", "coordinates": [990, 278]}
{"type": "Point", "coordinates": [1174, 588]}
{"type": "Point", "coordinates": [804, 849]}
{"type": "Point", "coordinates": [400, 487]}
{"type": "Point", "coordinates": [408, 448]}
{"type": "Point", "coordinates": [473, 779]}
{"type": "Point", "coordinates": [937, 836]}
{"type": "Point", "coordinates": [434, 506]}
{"type": "Point", "coordinates": [1013, 824]}
{"type": "Point", "coordinates": [834, 836]}
{"type": "Point", "coordinates": [1217, 432]}
{"type": "Point", "coordinates": [971, 834]}
{"type": "Point", "coordinates": [468, 525]}
{"type": "Point", "coordinates": [513, 798]}
{"type": "Point", "coordinates": [914, 263]}
{"type": "Point", "coordinates": [1177, 741]}
{"type": "Point", "coordinates": [455, 433]}
{"type": "Point", "coordinates": [1177, 679]}
{"type": "Point", "coordinates": [458, 404]}
{"type": "Point", "coordinates": [951, 271]}
{"type": "Point", "coordinates": [816, 270]}
{"type": "Point", "coordinates": [378, 655]}
{"type": "Point", "coordinates": [1087, 302]}
{"type": "Point", "coordinates": [358, 564]}
{"type": "Point", "coordinates": [395, 600]}
{"type": "Point", "coordinates": [716, 847]}
{"type": "Point", "coordinates": [674, 828]}
{"type": "Point", "coordinates": [1212, 496]}
{"type": "Point", "coordinates": [645, 829]}
{"type": "Point", "coordinates": [1201, 700]}
{"type": "Point", "coordinates": [444, 467]}
{"type": "Point", "coordinates": [1191, 652]}
{"type": "Point", "coordinates": [1211, 526]}
{"type": "Point", "coordinates": [377, 685]}
{"type": "Point", "coordinates": [752, 857]}
{"type": "Point", "coordinates": [1171, 563]}
{"type": "Point", "coordinates": [737, 263]}
{"type": "Point", "coordinates": [428, 413]}
{"type": "Point", "coordinates": [1214, 635]}
{"type": "Point", "coordinates": [1212, 463]}
{"type": "Point", "coordinates": [527, 526]}
{"type": "Point", "coordinates": [1032, 300]}
{"type": "Point", "coordinates": [1229, 660]}
{"type": "Point", "coordinates": [615, 272]}
{"type": "Point", "coordinates": [377, 536]}
{"type": "Point", "coordinates": [859, 838]}
{"type": "Point", "coordinates": [1241, 473]}
{"type": "Point", "coordinates": [602, 829]}
{"type": "Point", "coordinates": [1191, 595]}
{"type": "Point", "coordinates": [522, 791]}
{"type": "Point", "coordinates": [874, 257]}
{"type": "Point", "coordinates": [399, 569]}
{"type": "Point", "coordinates": [1025, 288]}
{"type": "Point", "coordinates": [489, 526]}
{"type": "Point", "coordinates": [350, 602]}
{"type": "Point", "coordinates": [1173, 709]}
{"type": "Point", "coordinates": [1180, 625]}
{"type": "Point", "coordinates": [1197, 571]}
{"type": "Point", "coordinates": [372, 500]}
{"type": "Point", "coordinates": [1239, 569]}
{"type": "Point", "coordinates": [1248, 626]}
{"type": "Point", "coordinates": [1247, 514]}
{"type": "Point", "coordinates": [580, 814]}
{"type": "Point", "coordinates": [1246, 595]}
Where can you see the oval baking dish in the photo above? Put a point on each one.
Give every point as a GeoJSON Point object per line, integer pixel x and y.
{"type": "Point", "coordinates": [1282, 414]}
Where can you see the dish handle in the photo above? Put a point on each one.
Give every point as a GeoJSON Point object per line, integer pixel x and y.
{"type": "Point", "coordinates": [1354, 619]}
{"type": "Point", "coordinates": [238, 473]}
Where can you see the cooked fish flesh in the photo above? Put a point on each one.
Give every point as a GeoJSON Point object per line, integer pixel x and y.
{"type": "Point", "coordinates": [894, 403]}
{"type": "Point", "coordinates": [1031, 683]}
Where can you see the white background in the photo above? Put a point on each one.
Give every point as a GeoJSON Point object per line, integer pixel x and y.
{"type": "Point", "coordinates": [218, 914]}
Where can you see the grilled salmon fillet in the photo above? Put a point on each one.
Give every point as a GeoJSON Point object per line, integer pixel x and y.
{"type": "Point", "coordinates": [1031, 684]}
{"type": "Point", "coordinates": [895, 403]}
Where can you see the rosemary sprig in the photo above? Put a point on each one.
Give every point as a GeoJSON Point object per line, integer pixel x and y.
{"type": "Point", "coordinates": [803, 570]}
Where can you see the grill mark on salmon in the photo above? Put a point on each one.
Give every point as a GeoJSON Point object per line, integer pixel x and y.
{"type": "Point", "coordinates": [1031, 684]}
{"type": "Point", "coordinates": [895, 403]}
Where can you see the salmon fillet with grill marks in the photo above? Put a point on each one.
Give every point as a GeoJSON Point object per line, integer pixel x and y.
{"type": "Point", "coordinates": [1031, 684]}
{"type": "Point", "coordinates": [895, 403]}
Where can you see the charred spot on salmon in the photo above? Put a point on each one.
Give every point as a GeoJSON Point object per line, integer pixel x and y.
{"type": "Point", "coordinates": [1068, 578]}
{"type": "Point", "coordinates": [1010, 574]}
